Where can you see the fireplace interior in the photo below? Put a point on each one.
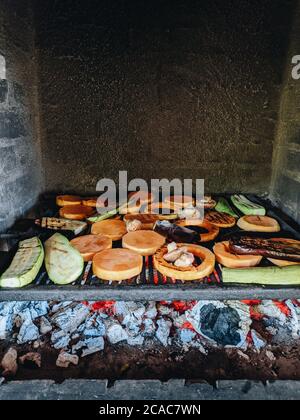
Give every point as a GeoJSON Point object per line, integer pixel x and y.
{"type": "Point", "coordinates": [161, 89]}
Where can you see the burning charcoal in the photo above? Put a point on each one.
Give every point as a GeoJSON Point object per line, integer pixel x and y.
{"type": "Point", "coordinates": [258, 342]}
{"type": "Point", "coordinates": [71, 318]}
{"type": "Point", "coordinates": [31, 360]}
{"type": "Point", "coordinates": [28, 332]}
{"type": "Point", "coordinates": [94, 327]}
{"type": "Point", "coordinates": [269, 309]}
{"type": "Point", "coordinates": [116, 334]}
{"type": "Point", "coordinates": [226, 324]}
{"type": "Point", "coordinates": [163, 331]}
{"type": "Point", "coordinates": [164, 310]}
{"type": "Point", "coordinates": [6, 324]}
{"type": "Point", "coordinates": [38, 309]}
{"type": "Point", "coordinates": [186, 336]}
{"type": "Point", "coordinates": [45, 326]}
{"type": "Point", "coordinates": [9, 363]}
{"type": "Point", "coordinates": [60, 339]}
{"type": "Point", "coordinates": [64, 360]}
{"type": "Point", "coordinates": [148, 328]}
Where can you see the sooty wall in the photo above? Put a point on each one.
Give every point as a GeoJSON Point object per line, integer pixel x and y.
{"type": "Point", "coordinates": [169, 88]}
{"type": "Point", "coordinates": [286, 175]}
{"type": "Point", "coordinates": [20, 177]}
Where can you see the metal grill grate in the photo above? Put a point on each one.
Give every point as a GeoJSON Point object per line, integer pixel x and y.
{"type": "Point", "coordinates": [150, 284]}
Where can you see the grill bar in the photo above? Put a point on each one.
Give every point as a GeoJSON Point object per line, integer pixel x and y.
{"type": "Point", "coordinates": [151, 285]}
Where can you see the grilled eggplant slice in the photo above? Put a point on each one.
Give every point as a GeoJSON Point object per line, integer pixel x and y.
{"type": "Point", "coordinates": [64, 264]}
{"type": "Point", "coordinates": [54, 223]}
{"type": "Point", "coordinates": [277, 249]}
{"type": "Point", "coordinates": [25, 265]}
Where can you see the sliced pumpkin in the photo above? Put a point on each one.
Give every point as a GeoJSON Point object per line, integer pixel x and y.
{"type": "Point", "coordinates": [258, 224]}
{"type": "Point", "coordinates": [225, 257]}
{"type": "Point", "coordinates": [210, 235]}
{"type": "Point", "coordinates": [198, 272]}
{"type": "Point", "coordinates": [90, 245]}
{"type": "Point", "coordinates": [114, 229]}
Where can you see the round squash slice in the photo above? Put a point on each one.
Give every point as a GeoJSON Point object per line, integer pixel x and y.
{"type": "Point", "coordinates": [212, 231]}
{"type": "Point", "coordinates": [159, 208]}
{"type": "Point", "coordinates": [282, 263]}
{"type": "Point", "coordinates": [117, 264]}
{"type": "Point", "coordinates": [258, 224]}
{"type": "Point", "coordinates": [144, 242]}
{"type": "Point", "coordinates": [68, 200]}
{"type": "Point", "coordinates": [76, 212]}
{"type": "Point", "coordinates": [147, 220]}
{"type": "Point", "coordinates": [114, 229]}
{"type": "Point", "coordinates": [143, 197]}
{"type": "Point", "coordinates": [196, 272]}
{"type": "Point", "coordinates": [178, 202]}
{"type": "Point", "coordinates": [225, 257]}
{"type": "Point", "coordinates": [221, 220]}
{"type": "Point", "coordinates": [93, 202]}
{"type": "Point", "coordinates": [90, 245]}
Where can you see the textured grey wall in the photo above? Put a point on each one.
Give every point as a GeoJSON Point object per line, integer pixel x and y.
{"type": "Point", "coordinates": [20, 178]}
{"type": "Point", "coordinates": [286, 174]}
{"type": "Point", "coordinates": [160, 88]}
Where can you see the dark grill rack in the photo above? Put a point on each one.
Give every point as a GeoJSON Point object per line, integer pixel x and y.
{"type": "Point", "coordinates": [150, 284]}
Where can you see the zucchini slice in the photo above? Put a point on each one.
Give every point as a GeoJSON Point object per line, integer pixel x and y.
{"type": "Point", "coordinates": [247, 207]}
{"type": "Point", "coordinates": [64, 264]}
{"type": "Point", "coordinates": [224, 207]}
{"type": "Point", "coordinates": [25, 265]}
{"type": "Point", "coordinates": [266, 276]}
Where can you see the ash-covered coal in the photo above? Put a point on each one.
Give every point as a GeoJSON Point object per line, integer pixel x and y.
{"type": "Point", "coordinates": [77, 330]}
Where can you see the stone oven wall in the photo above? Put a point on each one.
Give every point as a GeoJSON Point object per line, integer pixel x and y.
{"type": "Point", "coordinates": [161, 88]}
{"type": "Point", "coordinates": [286, 174]}
{"type": "Point", "coordinates": [20, 173]}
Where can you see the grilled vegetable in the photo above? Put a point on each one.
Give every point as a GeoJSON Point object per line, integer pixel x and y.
{"type": "Point", "coordinates": [25, 265]}
{"type": "Point", "coordinates": [64, 264]}
{"type": "Point", "coordinates": [62, 224]}
{"type": "Point", "coordinates": [267, 276]}
{"type": "Point", "coordinates": [247, 207]}
{"type": "Point", "coordinates": [104, 216]}
{"type": "Point", "coordinates": [224, 207]}
{"type": "Point", "coordinates": [278, 249]}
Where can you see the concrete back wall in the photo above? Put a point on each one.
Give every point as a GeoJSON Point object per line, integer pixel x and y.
{"type": "Point", "coordinates": [286, 174]}
{"type": "Point", "coordinates": [20, 177]}
{"type": "Point", "coordinates": [160, 88]}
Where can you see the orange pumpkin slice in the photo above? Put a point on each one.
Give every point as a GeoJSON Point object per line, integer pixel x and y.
{"type": "Point", "coordinates": [258, 224]}
{"type": "Point", "coordinates": [225, 257]}
{"type": "Point", "coordinates": [76, 212]}
{"type": "Point", "coordinates": [68, 200]}
{"type": "Point", "coordinates": [212, 231]}
{"type": "Point", "coordinates": [144, 242]}
{"type": "Point", "coordinates": [113, 228]}
{"type": "Point", "coordinates": [90, 245]}
{"type": "Point", "coordinates": [195, 272]}
{"type": "Point", "coordinates": [117, 264]}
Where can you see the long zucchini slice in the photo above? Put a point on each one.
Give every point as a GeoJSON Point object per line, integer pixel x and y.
{"type": "Point", "coordinates": [247, 207]}
{"type": "Point", "coordinates": [267, 276]}
{"type": "Point", "coordinates": [64, 264]}
{"type": "Point", "coordinates": [25, 265]}
{"type": "Point", "coordinates": [224, 207]}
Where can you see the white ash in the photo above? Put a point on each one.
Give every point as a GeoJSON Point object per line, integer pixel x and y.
{"type": "Point", "coordinates": [70, 319]}
{"type": "Point", "coordinates": [45, 326]}
{"type": "Point", "coordinates": [148, 328]}
{"type": "Point", "coordinates": [187, 336]}
{"type": "Point", "coordinates": [28, 332]}
{"type": "Point", "coordinates": [116, 334]}
{"type": "Point", "coordinates": [163, 331]}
